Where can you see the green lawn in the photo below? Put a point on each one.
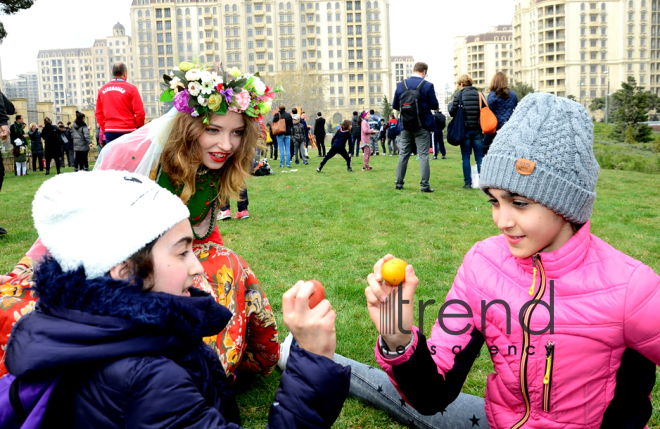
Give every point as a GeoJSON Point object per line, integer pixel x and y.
{"type": "Point", "coordinates": [333, 227]}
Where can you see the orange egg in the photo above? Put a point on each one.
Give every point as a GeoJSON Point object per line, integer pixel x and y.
{"type": "Point", "coordinates": [394, 271]}
{"type": "Point", "coordinates": [318, 295]}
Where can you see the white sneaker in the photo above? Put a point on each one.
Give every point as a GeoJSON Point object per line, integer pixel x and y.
{"type": "Point", "coordinates": [285, 350]}
{"type": "Point", "coordinates": [224, 215]}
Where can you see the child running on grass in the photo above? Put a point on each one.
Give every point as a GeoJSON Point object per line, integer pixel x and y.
{"type": "Point", "coordinates": [366, 132]}
{"type": "Point", "coordinates": [339, 140]}
{"type": "Point", "coordinates": [584, 342]}
{"type": "Point", "coordinates": [120, 320]}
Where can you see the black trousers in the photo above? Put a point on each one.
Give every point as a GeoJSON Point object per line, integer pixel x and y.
{"type": "Point", "coordinates": [334, 151]}
{"type": "Point", "coordinates": [50, 157]}
{"type": "Point", "coordinates": [320, 143]}
{"type": "Point", "coordinates": [242, 202]}
{"type": "Point", "coordinates": [34, 162]}
{"type": "Point", "coordinates": [273, 150]}
{"type": "Point", "coordinates": [81, 161]}
{"type": "Point", "coordinates": [382, 143]}
{"type": "Point", "coordinates": [2, 173]}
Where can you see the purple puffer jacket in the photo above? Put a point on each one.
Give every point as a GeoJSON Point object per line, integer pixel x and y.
{"type": "Point", "coordinates": [594, 364]}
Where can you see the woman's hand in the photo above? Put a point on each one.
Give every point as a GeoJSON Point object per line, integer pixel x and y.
{"type": "Point", "coordinates": [388, 321]}
{"type": "Point", "coordinates": [313, 329]}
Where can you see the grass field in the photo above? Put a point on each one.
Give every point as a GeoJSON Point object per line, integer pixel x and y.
{"type": "Point", "coordinates": [333, 227]}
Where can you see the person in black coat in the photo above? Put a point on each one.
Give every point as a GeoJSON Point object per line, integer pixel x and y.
{"type": "Point", "coordinates": [6, 108]}
{"type": "Point", "coordinates": [37, 147]}
{"type": "Point", "coordinates": [52, 145]}
{"type": "Point", "coordinates": [357, 136]}
{"type": "Point", "coordinates": [438, 140]}
{"type": "Point", "coordinates": [319, 133]}
{"type": "Point", "coordinates": [473, 137]}
{"type": "Point", "coordinates": [339, 140]}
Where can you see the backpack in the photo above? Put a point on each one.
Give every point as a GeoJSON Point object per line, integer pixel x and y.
{"type": "Point", "coordinates": [262, 168]}
{"type": "Point", "coordinates": [409, 107]}
{"type": "Point", "coordinates": [440, 121]}
{"type": "Point", "coordinates": [393, 130]}
{"type": "Point", "coordinates": [456, 128]}
{"type": "Point", "coordinates": [23, 403]}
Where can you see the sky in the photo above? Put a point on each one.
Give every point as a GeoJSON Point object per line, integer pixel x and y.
{"type": "Point", "coordinates": [424, 29]}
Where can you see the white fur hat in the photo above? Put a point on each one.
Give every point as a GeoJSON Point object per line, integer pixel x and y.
{"type": "Point", "coordinates": [124, 211]}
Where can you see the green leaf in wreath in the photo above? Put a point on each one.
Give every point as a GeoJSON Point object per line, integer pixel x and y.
{"type": "Point", "coordinates": [181, 75]}
{"type": "Point", "coordinates": [192, 101]}
{"type": "Point", "coordinates": [167, 96]}
{"type": "Point", "coordinates": [223, 108]}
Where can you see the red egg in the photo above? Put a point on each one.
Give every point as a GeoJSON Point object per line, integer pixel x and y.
{"type": "Point", "coordinates": [318, 295]}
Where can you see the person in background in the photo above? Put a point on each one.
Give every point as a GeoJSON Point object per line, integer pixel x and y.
{"type": "Point", "coordinates": [81, 142]}
{"type": "Point", "coordinates": [473, 136]}
{"type": "Point", "coordinates": [502, 102]}
{"type": "Point", "coordinates": [68, 147]}
{"type": "Point", "coordinates": [18, 132]}
{"type": "Point", "coordinates": [374, 125]}
{"type": "Point", "coordinates": [241, 205]}
{"type": "Point", "coordinates": [273, 142]}
{"type": "Point", "coordinates": [6, 109]}
{"type": "Point", "coordinates": [319, 133]}
{"type": "Point", "coordinates": [119, 108]}
{"type": "Point", "coordinates": [357, 134]}
{"type": "Point", "coordinates": [20, 157]}
{"type": "Point", "coordinates": [382, 135]}
{"type": "Point", "coordinates": [339, 140]}
{"type": "Point", "coordinates": [284, 140]}
{"type": "Point", "coordinates": [392, 134]}
{"type": "Point", "coordinates": [298, 139]}
{"type": "Point", "coordinates": [52, 145]}
{"type": "Point", "coordinates": [37, 147]}
{"type": "Point", "coordinates": [303, 119]}
{"type": "Point", "coordinates": [365, 133]}
{"type": "Point", "coordinates": [438, 138]}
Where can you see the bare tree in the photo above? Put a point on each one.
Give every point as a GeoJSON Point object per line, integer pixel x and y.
{"type": "Point", "coordinates": [302, 88]}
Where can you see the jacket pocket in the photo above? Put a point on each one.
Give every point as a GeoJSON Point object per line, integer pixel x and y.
{"type": "Point", "coordinates": [547, 378]}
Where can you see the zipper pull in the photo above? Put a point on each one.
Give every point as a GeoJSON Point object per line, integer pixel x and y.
{"type": "Point", "coordinates": [550, 347]}
{"type": "Point", "coordinates": [531, 290]}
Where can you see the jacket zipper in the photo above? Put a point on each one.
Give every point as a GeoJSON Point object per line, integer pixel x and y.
{"type": "Point", "coordinates": [526, 339]}
{"type": "Point", "coordinates": [547, 379]}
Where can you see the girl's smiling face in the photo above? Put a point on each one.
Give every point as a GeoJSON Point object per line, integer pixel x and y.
{"type": "Point", "coordinates": [528, 226]}
{"type": "Point", "coordinates": [221, 139]}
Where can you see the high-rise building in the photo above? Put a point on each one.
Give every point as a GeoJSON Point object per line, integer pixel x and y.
{"type": "Point", "coordinates": [24, 86]}
{"type": "Point", "coordinates": [402, 68]}
{"type": "Point", "coordinates": [346, 42]}
{"type": "Point", "coordinates": [74, 76]}
{"type": "Point", "coordinates": [572, 47]}
{"type": "Point", "coordinates": [482, 55]}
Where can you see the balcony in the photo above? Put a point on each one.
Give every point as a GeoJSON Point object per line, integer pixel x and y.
{"type": "Point", "coordinates": [260, 48]}
{"type": "Point", "coordinates": [208, 15]}
{"type": "Point", "coordinates": [261, 36]}
{"type": "Point", "coordinates": [262, 60]}
{"type": "Point", "coordinates": [259, 24]}
{"type": "Point", "coordinates": [259, 11]}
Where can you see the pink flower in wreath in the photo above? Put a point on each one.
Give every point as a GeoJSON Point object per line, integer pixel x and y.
{"type": "Point", "coordinates": [243, 99]}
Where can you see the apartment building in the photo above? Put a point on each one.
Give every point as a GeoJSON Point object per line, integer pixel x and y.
{"type": "Point", "coordinates": [74, 76]}
{"type": "Point", "coordinates": [402, 68]}
{"type": "Point", "coordinates": [482, 55]}
{"type": "Point", "coordinates": [345, 42]}
{"type": "Point", "coordinates": [24, 86]}
{"type": "Point", "coordinates": [572, 47]}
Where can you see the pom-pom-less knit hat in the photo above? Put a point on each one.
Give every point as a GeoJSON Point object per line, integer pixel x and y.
{"type": "Point", "coordinates": [545, 153]}
{"type": "Point", "coordinates": [134, 209]}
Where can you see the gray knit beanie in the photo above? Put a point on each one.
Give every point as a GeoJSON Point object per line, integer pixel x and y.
{"type": "Point", "coordinates": [545, 153]}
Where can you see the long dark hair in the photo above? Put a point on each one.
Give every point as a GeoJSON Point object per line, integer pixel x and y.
{"type": "Point", "coordinates": [80, 119]}
{"type": "Point", "coordinates": [360, 118]}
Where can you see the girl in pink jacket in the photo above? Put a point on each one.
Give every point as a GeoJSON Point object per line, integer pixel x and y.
{"type": "Point", "coordinates": [572, 324]}
{"type": "Point", "coordinates": [365, 133]}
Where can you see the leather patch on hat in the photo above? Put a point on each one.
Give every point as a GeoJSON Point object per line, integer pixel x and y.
{"type": "Point", "coordinates": [525, 166]}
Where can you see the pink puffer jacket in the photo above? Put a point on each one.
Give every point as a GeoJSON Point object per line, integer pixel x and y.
{"type": "Point", "coordinates": [604, 303]}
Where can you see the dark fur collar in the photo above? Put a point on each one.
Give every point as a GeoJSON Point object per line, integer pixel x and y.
{"type": "Point", "coordinates": [196, 316]}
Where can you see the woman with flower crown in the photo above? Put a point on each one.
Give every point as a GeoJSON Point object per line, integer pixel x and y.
{"type": "Point", "coordinates": [202, 150]}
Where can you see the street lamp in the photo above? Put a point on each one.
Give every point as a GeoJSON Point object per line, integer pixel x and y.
{"type": "Point", "coordinates": [607, 98]}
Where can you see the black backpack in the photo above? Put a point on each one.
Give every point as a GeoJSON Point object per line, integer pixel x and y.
{"type": "Point", "coordinates": [409, 107]}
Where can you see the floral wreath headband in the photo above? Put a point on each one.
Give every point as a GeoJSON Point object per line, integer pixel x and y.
{"type": "Point", "coordinates": [199, 91]}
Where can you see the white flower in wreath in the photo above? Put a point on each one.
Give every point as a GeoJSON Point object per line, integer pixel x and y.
{"type": "Point", "coordinates": [193, 75]}
{"type": "Point", "coordinates": [217, 80]}
{"type": "Point", "coordinates": [176, 84]}
{"type": "Point", "coordinates": [208, 87]}
{"type": "Point", "coordinates": [194, 88]}
{"type": "Point", "coordinates": [206, 77]}
{"type": "Point", "coordinates": [259, 86]}
{"type": "Point", "coordinates": [203, 101]}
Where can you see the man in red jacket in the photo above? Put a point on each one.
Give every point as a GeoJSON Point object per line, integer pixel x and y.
{"type": "Point", "coordinates": [119, 108]}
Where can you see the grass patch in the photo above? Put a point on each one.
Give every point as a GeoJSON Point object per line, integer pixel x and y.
{"type": "Point", "coordinates": [333, 226]}
{"type": "Point", "coordinates": [614, 155]}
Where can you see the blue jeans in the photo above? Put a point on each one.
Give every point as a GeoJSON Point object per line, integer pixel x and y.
{"type": "Point", "coordinates": [284, 143]}
{"type": "Point", "coordinates": [473, 140]}
{"type": "Point", "coordinates": [373, 387]}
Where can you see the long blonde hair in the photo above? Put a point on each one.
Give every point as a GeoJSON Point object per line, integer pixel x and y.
{"type": "Point", "coordinates": [182, 157]}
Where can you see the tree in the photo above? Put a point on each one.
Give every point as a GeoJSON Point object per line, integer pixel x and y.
{"type": "Point", "coordinates": [10, 7]}
{"type": "Point", "coordinates": [571, 97]}
{"type": "Point", "coordinates": [301, 88]}
{"type": "Point", "coordinates": [522, 89]}
{"type": "Point", "coordinates": [630, 134]}
{"type": "Point", "coordinates": [597, 103]}
{"type": "Point", "coordinates": [631, 105]}
{"type": "Point", "coordinates": [386, 108]}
